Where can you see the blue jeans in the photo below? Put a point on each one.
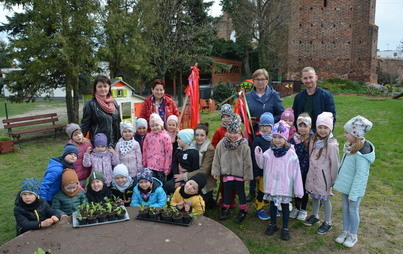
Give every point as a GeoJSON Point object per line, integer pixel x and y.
{"type": "Point", "coordinates": [351, 215]}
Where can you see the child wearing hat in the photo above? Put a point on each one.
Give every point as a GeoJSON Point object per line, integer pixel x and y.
{"type": "Point", "coordinates": [122, 184]}
{"type": "Point", "coordinates": [323, 167]}
{"type": "Point", "coordinates": [187, 198]}
{"type": "Point", "coordinates": [233, 161]}
{"type": "Point", "coordinates": [128, 149]}
{"type": "Point", "coordinates": [226, 112]}
{"type": "Point", "coordinates": [281, 175]}
{"type": "Point", "coordinates": [52, 179]}
{"type": "Point", "coordinates": [70, 197]}
{"type": "Point", "coordinates": [358, 155]}
{"type": "Point", "coordinates": [148, 190]}
{"type": "Point", "coordinates": [141, 131]}
{"type": "Point", "coordinates": [97, 190]}
{"type": "Point", "coordinates": [185, 160]}
{"type": "Point", "coordinates": [289, 117]}
{"type": "Point", "coordinates": [263, 140]}
{"type": "Point", "coordinates": [157, 149]}
{"type": "Point", "coordinates": [30, 211]}
{"type": "Point", "coordinates": [77, 138]}
{"type": "Point", "coordinates": [102, 159]}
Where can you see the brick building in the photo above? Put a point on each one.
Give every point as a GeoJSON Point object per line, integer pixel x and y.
{"type": "Point", "coordinates": [336, 37]}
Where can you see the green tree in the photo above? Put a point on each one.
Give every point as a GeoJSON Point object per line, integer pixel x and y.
{"type": "Point", "coordinates": [6, 61]}
{"type": "Point", "coordinates": [54, 43]}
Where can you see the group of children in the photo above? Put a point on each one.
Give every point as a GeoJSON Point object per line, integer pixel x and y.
{"type": "Point", "coordinates": [289, 162]}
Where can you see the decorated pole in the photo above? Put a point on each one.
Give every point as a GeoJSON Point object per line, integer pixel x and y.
{"type": "Point", "coordinates": [192, 91]}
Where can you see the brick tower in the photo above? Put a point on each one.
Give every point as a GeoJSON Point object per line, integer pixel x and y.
{"type": "Point", "coordinates": [336, 37]}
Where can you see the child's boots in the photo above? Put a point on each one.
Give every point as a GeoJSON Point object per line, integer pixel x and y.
{"type": "Point", "coordinates": [225, 212]}
{"type": "Point", "coordinates": [241, 216]}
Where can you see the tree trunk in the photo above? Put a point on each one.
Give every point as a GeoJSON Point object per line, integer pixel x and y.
{"type": "Point", "coordinates": [69, 101]}
{"type": "Point", "coordinates": [246, 62]}
{"type": "Point", "coordinates": [76, 105]}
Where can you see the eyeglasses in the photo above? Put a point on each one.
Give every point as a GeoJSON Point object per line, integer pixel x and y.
{"type": "Point", "coordinates": [260, 79]}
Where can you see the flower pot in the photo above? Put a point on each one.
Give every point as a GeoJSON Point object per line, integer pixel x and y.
{"type": "Point", "coordinates": [120, 216]}
{"type": "Point", "coordinates": [83, 221]}
{"type": "Point", "coordinates": [6, 146]}
{"type": "Point", "coordinates": [101, 217]}
{"type": "Point", "coordinates": [92, 220]}
{"type": "Point", "coordinates": [154, 216]}
{"type": "Point", "coordinates": [144, 214]}
{"type": "Point", "coordinates": [177, 218]}
{"type": "Point", "coordinates": [111, 216]}
{"type": "Point", "coordinates": [186, 219]}
{"type": "Point", "coordinates": [165, 217]}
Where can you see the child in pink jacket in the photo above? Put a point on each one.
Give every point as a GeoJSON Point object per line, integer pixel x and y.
{"type": "Point", "coordinates": [157, 149]}
{"type": "Point", "coordinates": [281, 175]}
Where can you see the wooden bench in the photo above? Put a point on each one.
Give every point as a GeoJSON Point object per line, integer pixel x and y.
{"type": "Point", "coordinates": [11, 123]}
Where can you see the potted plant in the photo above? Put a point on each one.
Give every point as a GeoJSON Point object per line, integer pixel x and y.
{"type": "Point", "coordinates": [6, 144]}
{"type": "Point", "coordinates": [187, 217]}
{"type": "Point", "coordinates": [110, 213]}
{"type": "Point", "coordinates": [166, 213]}
{"type": "Point", "coordinates": [176, 215]}
{"type": "Point", "coordinates": [81, 219]}
{"type": "Point", "coordinates": [92, 218]}
{"type": "Point", "coordinates": [154, 213]}
{"type": "Point", "coordinates": [101, 213]}
{"type": "Point", "coordinates": [143, 212]}
{"type": "Point", "coordinates": [120, 213]}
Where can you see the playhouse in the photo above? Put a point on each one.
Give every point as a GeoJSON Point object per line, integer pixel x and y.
{"type": "Point", "coordinates": [130, 103]}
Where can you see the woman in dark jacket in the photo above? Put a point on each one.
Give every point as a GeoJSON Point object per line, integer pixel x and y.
{"type": "Point", "coordinates": [101, 113]}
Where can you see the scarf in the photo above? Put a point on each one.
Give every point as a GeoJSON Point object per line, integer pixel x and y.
{"type": "Point", "coordinates": [71, 194]}
{"type": "Point", "coordinates": [159, 108]}
{"type": "Point", "coordinates": [64, 163]}
{"type": "Point", "coordinates": [347, 148]}
{"type": "Point", "coordinates": [231, 145]}
{"type": "Point", "coordinates": [145, 194]}
{"type": "Point", "coordinates": [30, 207]}
{"type": "Point", "coordinates": [279, 151]}
{"type": "Point", "coordinates": [126, 146]}
{"type": "Point", "coordinates": [183, 193]}
{"type": "Point", "coordinates": [106, 104]}
{"type": "Point", "coordinates": [267, 136]}
{"type": "Point", "coordinates": [124, 187]}
{"type": "Point", "coordinates": [320, 143]}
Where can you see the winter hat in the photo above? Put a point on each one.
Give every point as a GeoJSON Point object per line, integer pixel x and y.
{"type": "Point", "coordinates": [100, 139]}
{"type": "Point", "coordinates": [288, 114]}
{"type": "Point", "coordinates": [326, 119]}
{"type": "Point", "coordinates": [281, 128]}
{"type": "Point", "coordinates": [156, 119]}
{"type": "Point", "coordinates": [173, 117]}
{"type": "Point", "coordinates": [69, 148]}
{"type": "Point", "coordinates": [235, 124]}
{"type": "Point", "coordinates": [141, 122]}
{"type": "Point", "coordinates": [200, 179]}
{"type": "Point", "coordinates": [126, 125]}
{"type": "Point", "coordinates": [304, 119]}
{"type": "Point", "coordinates": [96, 175]}
{"type": "Point", "coordinates": [69, 176]}
{"type": "Point", "coordinates": [146, 174]}
{"type": "Point", "coordinates": [358, 126]}
{"type": "Point", "coordinates": [186, 135]}
{"type": "Point", "coordinates": [226, 109]}
{"type": "Point", "coordinates": [71, 128]}
{"type": "Point", "coordinates": [266, 119]}
{"type": "Point", "coordinates": [121, 169]}
{"type": "Point", "coordinates": [30, 185]}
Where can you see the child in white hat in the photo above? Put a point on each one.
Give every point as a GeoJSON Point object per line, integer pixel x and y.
{"type": "Point", "coordinates": [358, 155]}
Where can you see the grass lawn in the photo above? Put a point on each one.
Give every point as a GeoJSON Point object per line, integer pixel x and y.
{"type": "Point", "coordinates": [381, 216]}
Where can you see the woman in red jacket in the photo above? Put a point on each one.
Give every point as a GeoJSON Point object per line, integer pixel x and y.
{"type": "Point", "coordinates": [159, 102]}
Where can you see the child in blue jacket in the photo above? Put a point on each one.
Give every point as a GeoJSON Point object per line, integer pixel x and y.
{"type": "Point", "coordinates": [148, 190]}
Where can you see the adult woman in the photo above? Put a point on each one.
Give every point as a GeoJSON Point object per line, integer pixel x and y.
{"type": "Point", "coordinates": [206, 155]}
{"type": "Point", "coordinates": [262, 98]}
{"type": "Point", "coordinates": [159, 102]}
{"type": "Point", "coordinates": [101, 113]}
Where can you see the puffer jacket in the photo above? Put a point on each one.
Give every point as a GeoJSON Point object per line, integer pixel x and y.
{"type": "Point", "coordinates": [52, 180]}
{"type": "Point", "coordinates": [353, 173]}
{"type": "Point", "coordinates": [82, 172]}
{"type": "Point", "coordinates": [157, 198]}
{"type": "Point", "coordinates": [30, 217]}
{"type": "Point", "coordinates": [68, 205]}
{"type": "Point", "coordinates": [96, 120]}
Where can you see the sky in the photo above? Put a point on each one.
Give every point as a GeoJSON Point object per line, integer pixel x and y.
{"type": "Point", "coordinates": [388, 17]}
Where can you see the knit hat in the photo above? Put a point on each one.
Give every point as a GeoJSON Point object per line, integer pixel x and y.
{"type": "Point", "coordinates": [304, 119]}
{"type": "Point", "coordinates": [68, 149]}
{"type": "Point", "coordinates": [266, 119]}
{"type": "Point", "coordinates": [156, 119]}
{"type": "Point", "coordinates": [186, 135]}
{"type": "Point", "coordinates": [226, 109]}
{"type": "Point", "coordinates": [69, 176]}
{"type": "Point", "coordinates": [288, 114]}
{"type": "Point", "coordinates": [326, 119]}
{"type": "Point", "coordinates": [235, 124]}
{"type": "Point", "coordinates": [71, 128]}
{"type": "Point", "coordinates": [200, 179]}
{"type": "Point", "coordinates": [96, 175]}
{"type": "Point", "coordinates": [281, 128]}
{"type": "Point", "coordinates": [146, 174]}
{"type": "Point", "coordinates": [141, 122]}
{"type": "Point", "coordinates": [120, 169]}
{"type": "Point", "coordinates": [358, 126]}
{"type": "Point", "coordinates": [173, 117]}
{"type": "Point", "coordinates": [100, 139]}
{"type": "Point", "coordinates": [126, 125]}
{"type": "Point", "coordinates": [30, 185]}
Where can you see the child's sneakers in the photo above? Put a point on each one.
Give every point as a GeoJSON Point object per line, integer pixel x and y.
{"type": "Point", "coordinates": [262, 214]}
{"type": "Point", "coordinates": [294, 213]}
{"type": "Point", "coordinates": [225, 213]}
{"type": "Point", "coordinates": [285, 235]}
{"type": "Point", "coordinates": [241, 216]}
{"type": "Point", "coordinates": [302, 215]}
{"type": "Point", "coordinates": [342, 237]}
{"type": "Point", "coordinates": [311, 220]}
{"type": "Point", "coordinates": [350, 240]}
{"type": "Point", "coordinates": [324, 228]}
{"type": "Point", "coordinates": [271, 229]}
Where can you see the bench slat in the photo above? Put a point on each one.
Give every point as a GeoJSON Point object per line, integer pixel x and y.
{"type": "Point", "coordinates": [27, 118]}
{"type": "Point", "coordinates": [35, 122]}
{"type": "Point", "coordinates": [37, 129]}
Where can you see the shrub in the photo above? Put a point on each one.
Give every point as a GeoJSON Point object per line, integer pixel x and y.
{"type": "Point", "coordinates": [222, 92]}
